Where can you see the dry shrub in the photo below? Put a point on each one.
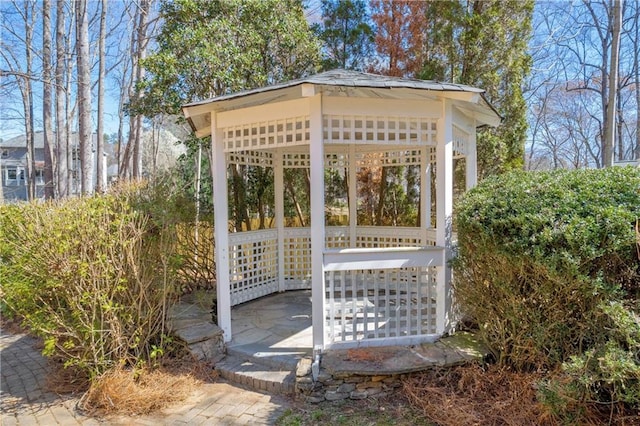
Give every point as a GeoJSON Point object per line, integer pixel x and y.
{"type": "Point", "coordinates": [132, 392]}
{"type": "Point", "coordinates": [472, 395]}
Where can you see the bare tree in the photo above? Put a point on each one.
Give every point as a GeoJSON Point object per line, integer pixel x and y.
{"type": "Point", "coordinates": [62, 143]}
{"type": "Point", "coordinates": [46, 100]}
{"type": "Point", "coordinates": [608, 144]}
{"type": "Point", "coordinates": [100, 172]}
{"type": "Point", "coordinates": [84, 94]}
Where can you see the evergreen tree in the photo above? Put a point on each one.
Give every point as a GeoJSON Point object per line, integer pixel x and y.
{"type": "Point", "coordinates": [346, 34]}
{"type": "Point", "coordinates": [478, 43]}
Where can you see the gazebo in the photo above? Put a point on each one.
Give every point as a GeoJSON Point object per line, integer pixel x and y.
{"type": "Point", "coordinates": [370, 285]}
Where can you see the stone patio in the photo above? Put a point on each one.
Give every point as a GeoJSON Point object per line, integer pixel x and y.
{"type": "Point", "coordinates": [271, 349]}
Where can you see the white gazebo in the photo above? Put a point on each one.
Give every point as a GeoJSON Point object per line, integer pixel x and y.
{"type": "Point", "coordinates": [370, 285]}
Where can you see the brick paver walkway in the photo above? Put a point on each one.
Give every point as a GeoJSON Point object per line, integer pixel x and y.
{"type": "Point", "coordinates": [23, 400]}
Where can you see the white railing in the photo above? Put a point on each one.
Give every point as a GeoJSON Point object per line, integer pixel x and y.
{"type": "Point", "coordinates": [381, 296]}
{"type": "Point", "coordinates": [253, 255]}
{"type": "Point", "coordinates": [253, 265]}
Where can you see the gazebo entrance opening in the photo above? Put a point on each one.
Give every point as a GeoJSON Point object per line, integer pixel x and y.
{"type": "Point", "coordinates": [371, 285]}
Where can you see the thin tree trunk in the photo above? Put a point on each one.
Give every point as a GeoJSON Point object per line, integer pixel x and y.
{"type": "Point", "coordinates": [610, 127]}
{"type": "Point", "coordinates": [382, 194]}
{"type": "Point", "coordinates": [84, 94]}
{"type": "Point", "coordinates": [139, 75]}
{"type": "Point", "coordinates": [100, 172]}
{"type": "Point", "coordinates": [62, 148]}
{"type": "Point", "coordinates": [46, 101]}
{"type": "Point", "coordinates": [28, 103]}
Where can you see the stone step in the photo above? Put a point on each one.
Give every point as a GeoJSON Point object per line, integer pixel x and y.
{"type": "Point", "coordinates": [252, 374]}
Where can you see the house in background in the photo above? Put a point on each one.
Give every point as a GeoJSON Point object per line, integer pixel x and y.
{"type": "Point", "coordinates": [13, 166]}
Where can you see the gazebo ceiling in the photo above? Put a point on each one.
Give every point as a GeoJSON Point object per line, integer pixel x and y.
{"type": "Point", "coordinates": [345, 83]}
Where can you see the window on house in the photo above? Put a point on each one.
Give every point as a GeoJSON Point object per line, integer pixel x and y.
{"type": "Point", "coordinates": [5, 153]}
{"type": "Point", "coordinates": [11, 176]}
{"type": "Point", "coordinates": [39, 177]}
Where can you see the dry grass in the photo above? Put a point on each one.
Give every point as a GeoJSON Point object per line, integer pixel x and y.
{"type": "Point", "coordinates": [137, 392]}
{"type": "Point", "coordinates": [470, 395]}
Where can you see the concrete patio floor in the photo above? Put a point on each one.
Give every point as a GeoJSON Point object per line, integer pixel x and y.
{"type": "Point", "coordinates": [275, 330]}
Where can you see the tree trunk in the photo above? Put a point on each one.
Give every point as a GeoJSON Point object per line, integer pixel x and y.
{"type": "Point", "coordinates": [610, 127]}
{"type": "Point", "coordinates": [84, 95]}
{"type": "Point", "coordinates": [46, 100]}
{"type": "Point", "coordinates": [382, 194]}
{"type": "Point", "coordinates": [62, 148]}
{"type": "Point", "coordinates": [27, 97]}
{"type": "Point", "coordinates": [100, 172]}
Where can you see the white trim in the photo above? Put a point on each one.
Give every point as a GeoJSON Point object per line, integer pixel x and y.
{"type": "Point", "coordinates": [221, 228]}
{"type": "Point", "coordinates": [382, 258]}
{"type": "Point", "coordinates": [278, 183]}
{"type": "Point", "coordinates": [444, 212]}
{"type": "Point", "coordinates": [316, 153]}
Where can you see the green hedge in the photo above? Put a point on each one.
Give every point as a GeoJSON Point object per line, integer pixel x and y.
{"type": "Point", "coordinates": [548, 268]}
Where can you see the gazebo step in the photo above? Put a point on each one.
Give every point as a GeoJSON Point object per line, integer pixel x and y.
{"type": "Point", "coordinates": [257, 376]}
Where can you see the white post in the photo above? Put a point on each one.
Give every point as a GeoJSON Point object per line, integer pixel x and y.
{"type": "Point", "coordinates": [425, 193]}
{"type": "Point", "coordinates": [444, 211]}
{"type": "Point", "coordinates": [316, 159]}
{"type": "Point", "coordinates": [278, 182]}
{"type": "Point", "coordinates": [221, 227]}
{"type": "Point", "coordinates": [471, 160]}
{"type": "Point", "coordinates": [353, 197]}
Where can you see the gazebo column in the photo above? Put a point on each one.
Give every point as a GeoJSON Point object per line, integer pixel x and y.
{"type": "Point", "coordinates": [471, 159]}
{"type": "Point", "coordinates": [425, 194]}
{"type": "Point", "coordinates": [221, 228]}
{"type": "Point", "coordinates": [353, 197]}
{"type": "Point", "coordinates": [278, 182]}
{"type": "Point", "coordinates": [444, 211]}
{"type": "Point", "coordinates": [316, 160]}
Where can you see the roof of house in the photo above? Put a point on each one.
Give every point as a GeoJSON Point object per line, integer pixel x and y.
{"type": "Point", "coordinates": [198, 116]}
{"type": "Point", "coordinates": [20, 141]}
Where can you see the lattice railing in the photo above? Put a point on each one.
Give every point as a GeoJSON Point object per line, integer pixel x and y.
{"type": "Point", "coordinates": [383, 304]}
{"type": "Point", "coordinates": [250, 256]}
{"type": "Point", "coordinates": [378, 237]}
{"type": "Point", "coordinates": [253, 264]}
{"type": "Point", "coordinates": [379, 129]}
{"type": "Point", "coordinates": [297, 258]}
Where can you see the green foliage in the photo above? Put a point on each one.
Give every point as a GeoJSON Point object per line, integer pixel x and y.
{"type": "Point", "coordinates": [346, 34]}
{"type": "Point", "coordinates": [210, 48]}
{"type": "Point", "coordinates": [92, 276]}
{"type": "Point", "coordinates": [548, 268]}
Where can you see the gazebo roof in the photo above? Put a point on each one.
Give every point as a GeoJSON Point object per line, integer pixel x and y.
{"type": "Point", "coordinates": [341, 82]}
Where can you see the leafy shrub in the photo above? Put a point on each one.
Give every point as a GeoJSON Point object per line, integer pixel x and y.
{"type": "Point", "coordinates": [92, 276]}
{"type": "Point", "coordinates": [548, 268]}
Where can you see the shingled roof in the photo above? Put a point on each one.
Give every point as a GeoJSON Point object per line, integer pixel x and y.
{"type": "Point", "coordinates": [335, 78]}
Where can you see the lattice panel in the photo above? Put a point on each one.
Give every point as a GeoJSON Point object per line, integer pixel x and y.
{"type": "Point", "coordinates": [388, 158]}
{"type": "Point", "coordinates": [336, 161]}
{"type": "Point", "coordinates": [296, 160]}
{"type": "Point", "coordinates": [253, 265]}
{"type": "Point", "coordinates": [251, 158]}
{"type": "Point", "coordinates": [460, 141]}
{"type": "Point", "coordinates": [267, 134]}
{"type": "Point", "coordinates": [303, 161]}
{"type": "Point", "coordinates": [297, 258]}
{"type": "Point", "coordinates": [380, 304]}
{"type": "Point", "coordinates": [379, 237]}
{"type": "Point", "coordinates": [379, 129]}
{"type": "Point", "coordinates": [336, 237]}
{"type": "Point", "coordinates": [432, 155]}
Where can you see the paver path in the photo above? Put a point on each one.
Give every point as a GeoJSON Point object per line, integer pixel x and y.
{"type": "Point", "coordinates": [23, 400]}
